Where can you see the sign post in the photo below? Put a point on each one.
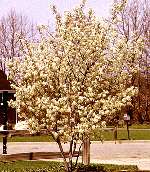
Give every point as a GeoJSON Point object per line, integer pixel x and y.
{"type": "Point", "coordinates": [127, 119]}
{"type": "Point", "coordinates": [4, 104]}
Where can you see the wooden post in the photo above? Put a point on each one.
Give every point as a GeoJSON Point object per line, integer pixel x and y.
{"type": "Point", "coordinates": [128, 130]}
{"type": "Point", "coordinates": [86, 152]}
{"type": "Point", "coordinates": [115, 134]}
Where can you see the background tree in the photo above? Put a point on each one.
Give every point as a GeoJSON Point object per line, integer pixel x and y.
{"type": "Point", "coordinates": [72, 78]}
{"type": "Point", "coordinates": [133, 21]}
{"type": "Point", "coordinates": [14, 27]}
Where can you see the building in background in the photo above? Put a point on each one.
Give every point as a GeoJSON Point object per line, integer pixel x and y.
{"type": "Point", "coordinates": [5, 85]}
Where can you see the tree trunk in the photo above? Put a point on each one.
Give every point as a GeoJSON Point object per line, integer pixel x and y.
{"type": "Point", "coordinates": [86, 151]}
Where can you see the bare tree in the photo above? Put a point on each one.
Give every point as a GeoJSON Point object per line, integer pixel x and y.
{"type": "Point", "coordinates": [134, 20]}
{"type": "Point", "coordinates": [13, 27]}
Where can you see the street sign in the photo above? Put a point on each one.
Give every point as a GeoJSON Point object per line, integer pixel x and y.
{"type": "Point", "coordinates": [126, 117]}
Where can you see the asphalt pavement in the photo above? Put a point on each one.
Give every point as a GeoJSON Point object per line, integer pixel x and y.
{"type": "Point", "coordinates": [124, 152]}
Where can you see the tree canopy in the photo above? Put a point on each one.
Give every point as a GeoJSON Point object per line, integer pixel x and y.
{"type": "Point", "coordinates": [71, 78]}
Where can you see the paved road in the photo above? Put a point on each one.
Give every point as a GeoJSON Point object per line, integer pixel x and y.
{"type": "Point", "coordinates": [132, 152]}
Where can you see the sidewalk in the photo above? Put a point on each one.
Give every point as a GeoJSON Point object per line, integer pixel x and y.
{"type": "Point", "coordinates": [125, 152]}
{"type": "Point", "coordinates": [143, 164]}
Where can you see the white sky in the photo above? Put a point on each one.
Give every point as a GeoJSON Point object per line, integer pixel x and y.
{"type": "Point", "coordinates": [39, 10]}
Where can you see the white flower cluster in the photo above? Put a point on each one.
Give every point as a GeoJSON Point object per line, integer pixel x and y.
{"type": "Point", "coordinates": [72, 78]}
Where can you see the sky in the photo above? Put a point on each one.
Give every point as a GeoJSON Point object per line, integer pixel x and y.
{"type": "Point", "coordinates": [39, 12]}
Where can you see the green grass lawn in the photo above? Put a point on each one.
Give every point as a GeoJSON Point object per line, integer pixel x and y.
{"type": "Point", "coordinates": [140, 126]}
{"type": "Point", "coordinates": [45, 138]}
{"type": "Point", "coordinates": [53, 166]}
{"type": "Point", "coordinates": [42, 138]}
{"type": "Point", "coordinates": [121, 135]}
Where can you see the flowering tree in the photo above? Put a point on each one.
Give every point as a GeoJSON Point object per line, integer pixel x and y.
{"type": "Point", "coordinates": [72, 78]}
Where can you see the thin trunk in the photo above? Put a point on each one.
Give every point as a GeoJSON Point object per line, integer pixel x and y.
{"type": "Point", "coordinates": [63, 156]}
{"type": "Point", "coordinates": [62, 152]}
{"type": "Point", "coordinates": [138, 116]}
{"type": "Point", "coordinates": [70, 155]}
{"type": "Point", "coordinates": [78, 154]}
{"type": "Point", "coordinates": [146, 95]}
